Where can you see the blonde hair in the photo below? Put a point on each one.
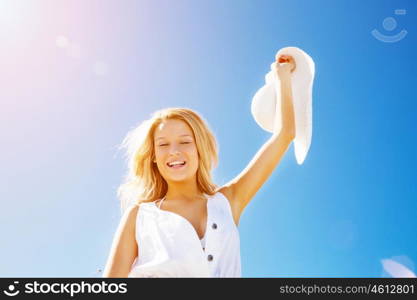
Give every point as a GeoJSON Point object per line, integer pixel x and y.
{"type": "Point", "coordinates": [143, 181]}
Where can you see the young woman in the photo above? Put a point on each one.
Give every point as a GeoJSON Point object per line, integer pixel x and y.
{"type": "Point", "coordinates": [175, 221]}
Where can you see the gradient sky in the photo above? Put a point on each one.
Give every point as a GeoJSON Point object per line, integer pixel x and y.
{"type": "Point", "coordinates": [77, 75]}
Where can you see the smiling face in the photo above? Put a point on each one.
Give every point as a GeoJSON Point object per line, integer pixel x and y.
{"type": "Point", "coordinates": [174, 142]}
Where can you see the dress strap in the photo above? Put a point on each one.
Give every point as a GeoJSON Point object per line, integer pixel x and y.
{"type": "Point", "coordinates": [160, 203]}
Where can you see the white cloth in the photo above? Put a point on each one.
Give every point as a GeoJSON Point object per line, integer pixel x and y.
{"type": "Point", "coordinates": [203, 242]}
{"type": "Point", "coordinates": [266, 99]}
{"type": "Point", "coordinates": [169, 246]}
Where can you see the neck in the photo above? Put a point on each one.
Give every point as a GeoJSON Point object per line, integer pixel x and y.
{"type": "Point", "coordinates": [187, 190]}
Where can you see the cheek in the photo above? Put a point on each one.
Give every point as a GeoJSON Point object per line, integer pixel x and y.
{"type": "Point", "coordinates": [194, 155]}
{"type": "Point", "coordinates": [158, 154]}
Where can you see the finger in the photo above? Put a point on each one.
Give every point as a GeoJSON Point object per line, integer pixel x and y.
{"type": "Point", "coordinates": [280, 57]}
{"type": "Point", "coordinates": [283, 59]}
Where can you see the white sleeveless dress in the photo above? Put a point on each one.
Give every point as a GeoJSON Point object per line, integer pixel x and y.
{"type": "Point", "coordinates": [169, 246]}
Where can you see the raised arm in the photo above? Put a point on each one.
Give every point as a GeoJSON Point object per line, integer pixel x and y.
{"type": "Point", "coordinates": [243, 187]}
{"type": "Point", "coordinates": [124, 249]}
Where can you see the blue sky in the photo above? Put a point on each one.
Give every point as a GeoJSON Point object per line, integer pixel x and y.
{"type": "Point", "coordinates": [78, 75]}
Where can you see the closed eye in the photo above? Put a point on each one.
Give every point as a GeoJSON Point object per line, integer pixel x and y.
{"type": "Point", "coordinates": [180, 143]}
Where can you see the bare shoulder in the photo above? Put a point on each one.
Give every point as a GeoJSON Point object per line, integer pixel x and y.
{"type": "Point", "coordinates": [128, 219]}
{"type": "Point", "coordinates": [228, 193]}
{"type": "Point", "coordinates": [124, 248]}
{"type": "Point", "coordinates": [131, 211]}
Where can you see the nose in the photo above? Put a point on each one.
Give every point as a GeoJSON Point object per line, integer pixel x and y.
{"type": "Point", "coordinates": [173, 150]}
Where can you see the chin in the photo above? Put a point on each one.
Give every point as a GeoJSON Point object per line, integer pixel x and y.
{"type": "Point", "coordinates": [180, 177]}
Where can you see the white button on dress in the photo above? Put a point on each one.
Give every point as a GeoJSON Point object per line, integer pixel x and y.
{"type": "Point", "coordinates": [169, 246]}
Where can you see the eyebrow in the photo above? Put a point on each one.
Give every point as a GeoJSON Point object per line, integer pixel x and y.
{"type": "Point", "coordinates": [162, 137]}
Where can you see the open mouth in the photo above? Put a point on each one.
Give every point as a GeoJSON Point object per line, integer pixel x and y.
{"type": "Point", "coordinates": [176, 164]}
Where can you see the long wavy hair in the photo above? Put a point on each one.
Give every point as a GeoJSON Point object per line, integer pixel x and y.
{"type": "Point", "coordinates": [143, 181]}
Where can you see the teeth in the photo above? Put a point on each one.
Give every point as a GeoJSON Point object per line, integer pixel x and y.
{"type": "Point", "coordinates": [174, 163]}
